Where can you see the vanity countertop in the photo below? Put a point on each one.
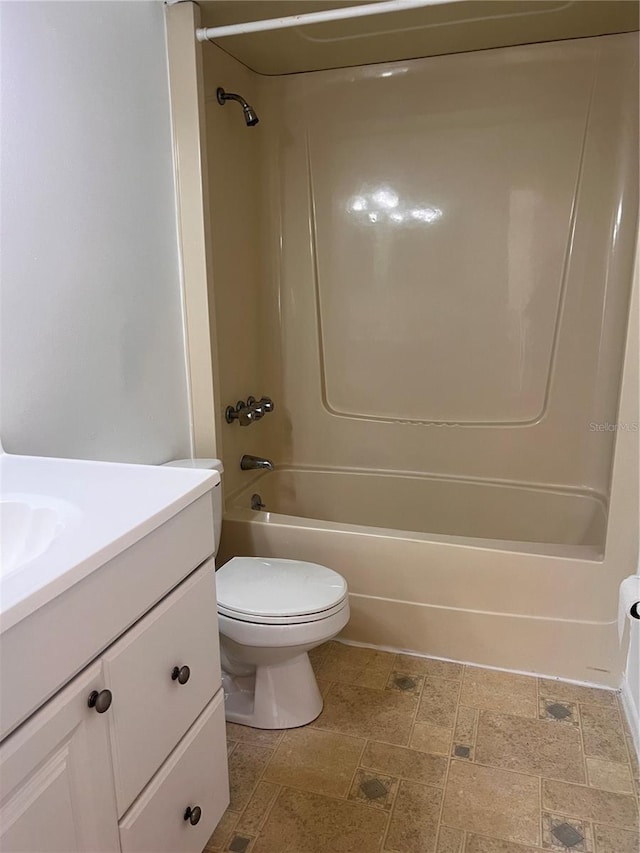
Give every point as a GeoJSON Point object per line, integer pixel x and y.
{"type": "Point", "coordinates": [60, 519]}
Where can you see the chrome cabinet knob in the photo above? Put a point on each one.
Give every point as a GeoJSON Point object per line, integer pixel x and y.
{"type": "Point", "coordinates": [100, 701]}
{"type": "Point", "coordinates": [193, 814]}
{"type": "Point", "coordinates": [181, 674]}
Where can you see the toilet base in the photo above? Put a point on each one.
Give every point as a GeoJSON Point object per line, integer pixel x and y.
{"type": "Point", "coordinates": [280, 696]}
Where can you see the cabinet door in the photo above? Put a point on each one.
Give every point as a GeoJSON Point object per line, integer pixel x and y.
{"type": "Point", "coordinates": [56, 779]}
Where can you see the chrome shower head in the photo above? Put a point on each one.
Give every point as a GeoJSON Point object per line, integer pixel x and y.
{"type": "Point", "coordinates": [250, 115]}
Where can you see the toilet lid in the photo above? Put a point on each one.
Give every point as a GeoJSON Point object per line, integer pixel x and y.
{"type": "Point", "coordinates": [260, 586]}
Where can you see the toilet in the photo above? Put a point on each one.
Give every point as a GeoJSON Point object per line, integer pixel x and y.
{"type": "Point", "coordinates": [271, 613]}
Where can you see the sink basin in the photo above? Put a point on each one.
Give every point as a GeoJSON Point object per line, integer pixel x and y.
{"type": "Point", "coordinates": [29, 524]}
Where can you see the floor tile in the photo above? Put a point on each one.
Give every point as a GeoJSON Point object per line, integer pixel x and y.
{"type": "Point", "coordinates": [464, 734]}
{"type": "Point", "coordinates": [590, 804]}
{"type": "Point", "coordinates": [376, 671]}
{"type": "Point", "coordinates": [492, 802]}
{"type": "Point", "coordinates": [368, 774]}
{"type": "Point", "coordinates": [240, 843]}
{"type": "Point", "coordinates": [612, 840]}
{"type": "Point", "coordinates": [481, 844]}
{"type": "Point", "coordinates": [414, 822]}
{"type": "Point", "coordinates": [602, 733]}
{"type": "Point", "coordinates": [491, 690]}
{"type": "Point", "coordinates": [438, 702]}
{"type": "Point", "coordinates": [355, 665]}
{"type": "Point", "coordinates": [302, 822]}
{"type": "Point", "coordinates": [405, 682]}
{"type": "Point", "coordinates": [257, 737]}
{"type": "Point", "coordinates": [245, 768]}
{"type": "Point", "coordinates": [374, 789]}
{"type": "Point", "coordinates": [223, 831]}
{"type": "Point", "coordinates": [314, 760]}
{"type": "Point", "coordinates": [405, 763]}
{"type": "Point", "coordinates": [375, 674]}
{"type": "Point", "coordinates": [428, 738]}
{"type": "Point", "coordinates": [567, 692]}
{"type": "Point", "coordinates": [565, 833]}
{"type": "Point", "coordinates": [558, 712]}
{"type": "Point", "coordinates": [384, 715]}
{"type": "Point", "coordinates": [323, 685]}
{"type": "Point", "coordinates": [530, 746]}
{"type": "Point", "coordinates": [635, 764]}
{"type": "Point", "coordinates": [450, 840]}
{"type": "Point", "coordinates": [609, 776]}
{"type": "Point", "coordinates": [257, 808]}
{"type": "Point", "coordinates": [429, 666]}
{"type": "Point", "coordinates": [318, 654]}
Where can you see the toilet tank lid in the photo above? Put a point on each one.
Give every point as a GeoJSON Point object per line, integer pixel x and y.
{"type": "Point", "coordinates": [208, 464]}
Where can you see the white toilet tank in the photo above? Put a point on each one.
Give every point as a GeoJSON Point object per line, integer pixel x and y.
{"type": "Point", "coordinates": [209, 465]}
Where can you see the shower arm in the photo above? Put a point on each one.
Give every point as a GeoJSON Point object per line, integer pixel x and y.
{"type": "Point", "coordinates": [231, 96]}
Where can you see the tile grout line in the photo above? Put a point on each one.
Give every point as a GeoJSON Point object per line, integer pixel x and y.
{"type": "Point", "coordinates": [449, 761]}
{"type": "Point", "coordinates": [268, 810]}
{"type": "Point", "coordinates": [623, 728]}
{"type": "Point", "coordinates": [541, 812]}
{"type": "Point", "coordinates": [583, 749]}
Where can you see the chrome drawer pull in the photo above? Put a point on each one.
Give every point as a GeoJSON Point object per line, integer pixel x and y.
{"type": "Point", "coordinates": [181, 674]}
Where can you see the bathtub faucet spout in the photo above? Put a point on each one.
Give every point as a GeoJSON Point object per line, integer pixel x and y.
{"type": "Point", "coordinates": [254, 463]}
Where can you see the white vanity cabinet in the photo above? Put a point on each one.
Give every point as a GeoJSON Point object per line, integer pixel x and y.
{"type": "Point", "coordinates": [130, 755]}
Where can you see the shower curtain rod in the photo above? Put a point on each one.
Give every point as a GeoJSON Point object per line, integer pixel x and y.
{"type": "Point", "coordinates": [211, 33]}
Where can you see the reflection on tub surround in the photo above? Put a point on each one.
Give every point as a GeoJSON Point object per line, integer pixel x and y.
{"type": "Point", "coordinates": [383, 204]}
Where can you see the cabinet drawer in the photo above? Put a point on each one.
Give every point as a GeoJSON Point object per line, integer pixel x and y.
{"type": "Point", "coordinates": [195, 774]}
{"type": "Point", "coordinates": [151, 711]}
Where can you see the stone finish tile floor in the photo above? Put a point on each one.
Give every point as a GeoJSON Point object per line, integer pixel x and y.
{"type": "Point", "coordinates": [413, 755]}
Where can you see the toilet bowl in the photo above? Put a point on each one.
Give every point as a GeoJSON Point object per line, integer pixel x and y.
{"type": "Point", "coordinates": [271, 613]}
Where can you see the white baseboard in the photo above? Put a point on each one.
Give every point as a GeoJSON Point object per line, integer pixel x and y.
{"type": "Point", "coordinates": [632, 713]}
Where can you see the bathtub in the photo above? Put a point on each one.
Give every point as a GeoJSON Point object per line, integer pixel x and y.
{"type": "Point", "coordinates": [490, 573]}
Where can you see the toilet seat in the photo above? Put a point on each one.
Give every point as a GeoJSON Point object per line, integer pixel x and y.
{"type": "Point", "coordinates": [270, 591]}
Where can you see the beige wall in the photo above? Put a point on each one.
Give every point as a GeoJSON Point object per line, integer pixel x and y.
{"type": "Point", "coordinates": [476, 327]}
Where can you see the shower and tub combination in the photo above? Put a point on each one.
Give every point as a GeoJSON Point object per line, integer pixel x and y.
{"type": "Point", "coordinates": [428, 263]}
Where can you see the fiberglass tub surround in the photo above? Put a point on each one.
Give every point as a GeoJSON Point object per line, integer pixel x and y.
{"type": "Point", "coordinates": [436, 275]}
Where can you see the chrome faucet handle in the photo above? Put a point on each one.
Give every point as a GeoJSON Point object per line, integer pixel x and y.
{"type": "Point", "coordinates": [247, 416]}
{"type": "Point", "coordinates": [249, 412]}
{"type": "Point", "coordinates": [242, 413]}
